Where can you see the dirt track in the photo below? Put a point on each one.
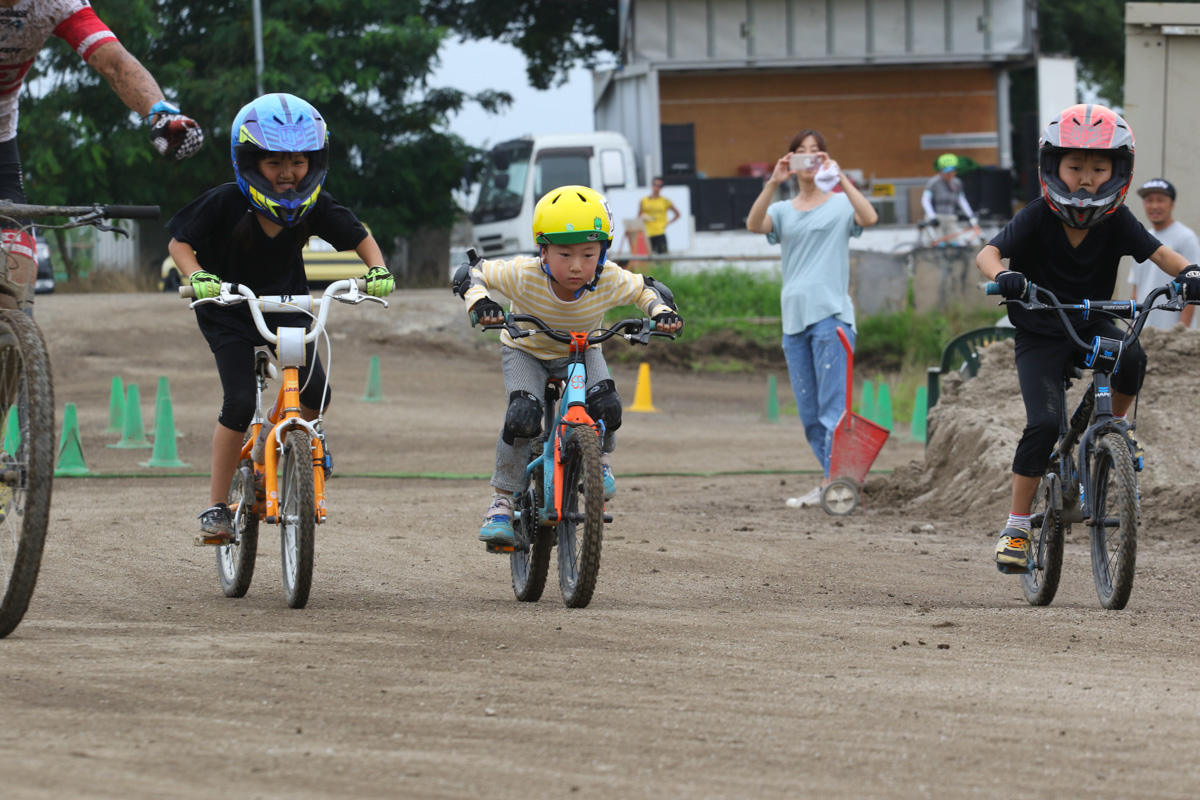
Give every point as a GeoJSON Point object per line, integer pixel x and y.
{"type": "Point", "coordinates": [735, 647]}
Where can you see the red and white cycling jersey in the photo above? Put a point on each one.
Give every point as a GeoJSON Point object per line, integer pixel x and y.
{"type": "Point", "coordinates": [24, 29]}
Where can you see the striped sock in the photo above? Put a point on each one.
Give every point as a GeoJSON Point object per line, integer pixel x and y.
{"type": "Point", "coordinates": [1018, 521]}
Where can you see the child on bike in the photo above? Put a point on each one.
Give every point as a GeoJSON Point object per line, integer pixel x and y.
{"type": "Point", "coordinates": [569, 287]}
{"type": "Point", "coordinates": [1070, 241]}
{"type": "Point", "coordinates": [251, 232]}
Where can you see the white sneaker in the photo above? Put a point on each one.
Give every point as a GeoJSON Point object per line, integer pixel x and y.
{"type": "Point", "coordinates": [813, 498]}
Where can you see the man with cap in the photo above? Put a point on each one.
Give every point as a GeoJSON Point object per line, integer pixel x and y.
{"type": "Point", "coordinates": [1158, 200]}
{"type": "Point", "coordinates": [943, 198]}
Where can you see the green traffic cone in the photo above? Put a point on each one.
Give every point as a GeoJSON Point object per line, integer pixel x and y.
{"type": "Point", "coordinates": [70, 446]}
{"type": "Point", "coordinates": [918, 430]}
{"type": "Point", "coordinates": [374, 392]}
{"type": "Point", "coordinates": [883, 407]}
{"type": "Point", "coordinates": [165, 453]}
{"type": "Point", "coordinates": [133, 431]}
{"type": "Point", "coordinates": [116, 406]}
{"type": "Point", "coordinates": [162, 393]}
{"type": "Point", "coordinates": [772, 400]}
{"type": "Point", "coordinates": [12, 432]}
{"type": "Point", "coordinates": [866, 406]}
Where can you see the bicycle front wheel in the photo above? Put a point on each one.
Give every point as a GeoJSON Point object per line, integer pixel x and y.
{"type": "Point", "coordinates": [27, 463]}
{"type": "Point", "coordinates": [581, 530]}
{"type": "Point", "coordinates": [1114, 521]}
{"type": "Point", "coordinates": [1041, 583]}
{"type": "Point", "coordinates": [235, 562]}
{"type": "Point", "coordinates": [298, 517]}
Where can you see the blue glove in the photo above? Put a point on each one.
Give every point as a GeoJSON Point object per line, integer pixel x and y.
{"type": "Point", "coordinates": [1013, 285]}
{"type": "Point", "coordinates": [380, 282]}
{"type": "Point", "coordinates": [205, 285]}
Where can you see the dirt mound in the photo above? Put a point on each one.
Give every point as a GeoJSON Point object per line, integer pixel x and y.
{"type": "Point", "coordinates": [974, 429]}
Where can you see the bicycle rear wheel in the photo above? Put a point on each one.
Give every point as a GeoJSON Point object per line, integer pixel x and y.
{"type": "Point", "coordinates": [1114, 521]}
{"type": "Point", "coordinates": [27, 465]}
{"type": "Point", "coordinates": [581, 531]}
{"type": "Point", "coordinates": [298, 517]}
{"type": "Point", "coordinates": [235, 562]}
{"type": "Point", "coordinates": [1041, 584]}
{"type": "Point", "coordinates": [530, 558]}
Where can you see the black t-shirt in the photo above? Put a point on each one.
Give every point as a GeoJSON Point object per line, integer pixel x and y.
{"type": "Point", "coordinates": [1036, 245]}
{"type": "Point", "coordinates": [265, 264]}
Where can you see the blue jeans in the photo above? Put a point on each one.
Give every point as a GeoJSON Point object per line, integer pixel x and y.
{"type": "Point", "coordinates": [817, 369]}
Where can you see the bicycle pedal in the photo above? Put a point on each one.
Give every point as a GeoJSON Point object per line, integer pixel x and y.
{"type": "Point", "coordinates": [207, 540]}
{"type": "Point", "coordinates": [500, 549]}
{"type": "Point", "coordinates": [1013, 569]}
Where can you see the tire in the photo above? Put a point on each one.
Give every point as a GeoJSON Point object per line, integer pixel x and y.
{"type": "Point", "coordinates": [1041, 584]}
{"type": "Point", "coordinates": [579, 541]}
{"type": "Point", "coordinates": [840, 497]}
{"type": "Point", "coordinates": [1114, 521]}
{"type": "Point", "coordinates": [26, 476]}
{"type": "Point", "coordinates": [530, 558]}
{"type": "Point", "coordinates": [235, 562]}
{"type": "Point", "coordinates": [297, 517]}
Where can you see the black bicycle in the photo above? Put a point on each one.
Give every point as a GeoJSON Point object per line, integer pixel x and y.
{"type": "Point", "coordinates": [1099, 488]}
{"type": "Point", "coordinates": [27, 414]}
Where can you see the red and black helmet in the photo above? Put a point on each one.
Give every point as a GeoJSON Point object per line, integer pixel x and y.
{"type": "Point", "coordinates": [1086, 126]}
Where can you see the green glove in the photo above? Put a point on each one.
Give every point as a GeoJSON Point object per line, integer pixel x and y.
{"type": "Point", "coordinates": [380, 282]}
{"type": "Point", "coordinates": [205, 285]}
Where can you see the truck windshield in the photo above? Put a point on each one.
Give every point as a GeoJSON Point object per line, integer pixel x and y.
{"type": "Point", "coordinates": [502, 186]}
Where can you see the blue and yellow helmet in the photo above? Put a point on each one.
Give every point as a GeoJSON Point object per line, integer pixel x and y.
{"type": "Point", "coordinates": [279, 123]}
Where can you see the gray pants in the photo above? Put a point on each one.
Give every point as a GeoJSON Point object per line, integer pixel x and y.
{"type": "Point", "coordinates": [526, 373]}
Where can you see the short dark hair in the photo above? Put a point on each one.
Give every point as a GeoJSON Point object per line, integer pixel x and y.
{"type": "Point", "coordinates": [657, 178]}
{"type": "Point", "coordinates": [802, 135]}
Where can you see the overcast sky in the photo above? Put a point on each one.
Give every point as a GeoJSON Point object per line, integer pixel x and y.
{"type": "Point", "coordinates": [477, 65]}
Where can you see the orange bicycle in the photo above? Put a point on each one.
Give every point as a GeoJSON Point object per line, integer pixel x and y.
{"type": "Point", "coordinates": [294, 499]}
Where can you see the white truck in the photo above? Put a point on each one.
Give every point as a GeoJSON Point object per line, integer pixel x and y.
{"type": "Point", "coordinates": [520, 171]}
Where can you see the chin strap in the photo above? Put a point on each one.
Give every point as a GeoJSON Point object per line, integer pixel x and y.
{"type": "Point", "coordinates": [590, 286]}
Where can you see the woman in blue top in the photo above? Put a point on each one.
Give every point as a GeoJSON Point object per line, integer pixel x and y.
{"type": "Point", "coordinates": [814, 228]}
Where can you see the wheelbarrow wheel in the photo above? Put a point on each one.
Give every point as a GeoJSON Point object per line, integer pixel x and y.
{"type": "Point", "coordinates": [840, 497]}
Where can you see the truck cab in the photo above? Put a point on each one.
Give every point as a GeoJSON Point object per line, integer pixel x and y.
{"type": "Point", "coordinates": [520, 171]}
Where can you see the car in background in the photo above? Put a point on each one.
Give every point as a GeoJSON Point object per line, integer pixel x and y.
{"type": "Point", "coordinates": [322, 264]}
{"type": "Point", "coordinates": [44, 284]}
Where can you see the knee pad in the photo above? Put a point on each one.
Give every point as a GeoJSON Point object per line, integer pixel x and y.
{"type": "Point", "coordinates": [603, 403]}
{"type": "Point", "coordinates": [524, 417]}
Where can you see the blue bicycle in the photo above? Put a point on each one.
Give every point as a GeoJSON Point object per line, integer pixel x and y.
{"type": "Point", "coordinates": [1099, 488]}
{"type": "Point", "coordinates": [563, 502]}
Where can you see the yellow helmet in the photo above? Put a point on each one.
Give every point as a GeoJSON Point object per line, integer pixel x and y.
{"type": "Point", "coordinates": [572, 214]}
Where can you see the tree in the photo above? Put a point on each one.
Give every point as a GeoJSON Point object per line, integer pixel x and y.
{"type": "Point", "coordinates": [364, 64]}
{"type": "Point", "coordinates": [554, 35]}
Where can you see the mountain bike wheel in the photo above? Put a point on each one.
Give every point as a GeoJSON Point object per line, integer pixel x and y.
{"type": "Point", "coordinates": [530, 558]}
{"type": "Point", "coordinates": [581, 531]}
{"type": "Point", "coordinates": [27, 466]}
{"type": "Point", "coordinates": [1041, 584]}
{"type": "Point", "coordinates": [235, 562]}
{"type": "Point", "coordinates": [1114, 521]}
{"type": "Point", "coordinates": [298, 517]}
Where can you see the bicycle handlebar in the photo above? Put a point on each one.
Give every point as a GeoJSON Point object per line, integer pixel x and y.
{"type": "Point", "coordinates": [635, 331]}
{"type": "Point", "coordinates": [235, 294]}
{"type": "Point", "coordinates": [23, 211]}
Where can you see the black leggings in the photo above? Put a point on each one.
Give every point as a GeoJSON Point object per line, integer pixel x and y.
{"type": "Point", "coordinates": [235, 364]}
{"type": "Point", "coordinates": [1041, 362]}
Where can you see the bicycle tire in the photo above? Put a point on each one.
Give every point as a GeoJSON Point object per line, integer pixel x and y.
{"type": "Point", "coordinates": [26, 385]}
{"type": "Point", "coordinates": [579, 542]}
{"type": "Point", "coordinates": [1041, 583]}
{"type": "Point", "coordinates": [1114, 547]}
{"type": "Point", "coordinates": [529, 561]}
{"type": "Point", "coordinates": [235, 562]}
{"type": "Point", "coordinates": [297, 518]}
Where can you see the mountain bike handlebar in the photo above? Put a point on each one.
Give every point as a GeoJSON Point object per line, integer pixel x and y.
{"type": "Point", "coordinates": [634, 331]}
{"type": "Point", "coordinates": [22, 211]}
{"type": "Point", "coordinates": [234, 294]}
{"type": "Point", "coordinates": [1040, 299]}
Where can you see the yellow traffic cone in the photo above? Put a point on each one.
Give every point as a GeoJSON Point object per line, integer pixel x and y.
{"type": "Point", "coordinates": [641, 396]}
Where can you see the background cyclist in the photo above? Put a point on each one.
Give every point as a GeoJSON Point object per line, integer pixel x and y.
{"type": "Point", "coordinates": [943, 199]}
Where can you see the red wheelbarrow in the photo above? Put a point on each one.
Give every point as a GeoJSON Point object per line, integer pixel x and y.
{"type": "Point", "coordinates": [856, 443]}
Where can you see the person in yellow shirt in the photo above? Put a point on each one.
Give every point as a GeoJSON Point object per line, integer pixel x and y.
{"type": "Point", "coordinates": [653, 211]}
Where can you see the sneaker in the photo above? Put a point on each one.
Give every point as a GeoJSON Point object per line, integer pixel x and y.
{"type": "Point", "coordinates": [610, 482]}
{"type": "Point", "coordinates": [497, 522]}
{"type": "Point", "coordinates": [216, 526]}
{"type": "Point", "coordinates": [809, 500]}
{"type": "Point", "coordinates": [1013, 551]}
